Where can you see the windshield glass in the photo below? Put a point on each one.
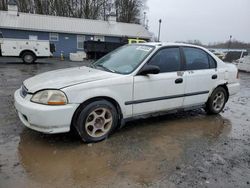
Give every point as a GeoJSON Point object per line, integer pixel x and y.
{"type": "Point", "coordinates": [124, 60]}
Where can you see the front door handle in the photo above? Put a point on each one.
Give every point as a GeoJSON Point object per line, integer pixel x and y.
{"type": "Point", "coordinates": [179, 81]}
{"type": "Point", "coordinates": [214, 76]}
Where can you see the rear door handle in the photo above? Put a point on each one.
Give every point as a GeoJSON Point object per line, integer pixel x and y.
{"type": "Point", "coordinates": [179, 81]}
{"type": "Point", "coordinates": [214, 76]}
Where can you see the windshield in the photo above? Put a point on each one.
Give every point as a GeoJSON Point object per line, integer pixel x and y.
{"type": "Point", "coordinates": [124, 60]}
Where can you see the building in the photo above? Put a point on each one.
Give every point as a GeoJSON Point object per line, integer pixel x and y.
{"type": "Point", "coordinates": [68, 34]}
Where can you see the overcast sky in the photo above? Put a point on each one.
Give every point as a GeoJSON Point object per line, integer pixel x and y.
{"type": "Point", "coordinates": [205, 20]}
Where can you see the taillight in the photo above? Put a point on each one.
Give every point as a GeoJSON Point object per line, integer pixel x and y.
{"type": "Point", "coordinates": [238, 75]}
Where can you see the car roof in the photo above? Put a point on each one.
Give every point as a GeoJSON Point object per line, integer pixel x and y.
{"type": "Point", "coordinates": [162, 44]}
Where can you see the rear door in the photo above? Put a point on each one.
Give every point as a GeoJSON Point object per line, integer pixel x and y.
{"type": "Point", "coordinates": [163, 91]}
{"type": "Point", "coordinates": [200, 75]}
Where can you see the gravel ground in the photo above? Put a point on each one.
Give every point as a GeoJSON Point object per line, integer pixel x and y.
{"type": "Point", "coordinates": [187, 149]}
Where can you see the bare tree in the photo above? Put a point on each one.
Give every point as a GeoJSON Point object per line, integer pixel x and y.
{"type": "Point", "coordinates": [26, 6]}
{"type": "Point", "coordinates": [106, 8]}
{"type": "Point", "coordinates": [127, 10]}
{"type": "Point", "coordinates": [3, 5]}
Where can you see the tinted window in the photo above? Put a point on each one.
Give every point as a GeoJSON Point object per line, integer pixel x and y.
{"type": "Point", "coordinates": [196, 59]}
{"type": "Point", "coordinates": [212, 62]}
{"type": "Point", "coordinates": [168, 60]}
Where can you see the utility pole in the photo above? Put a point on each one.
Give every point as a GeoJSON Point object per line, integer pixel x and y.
{"type": "Point", "coordinates": [144, 19]}
{"type": "Point", "coordinates": [229, 42]}
{"type": "Point", "coordinates": [104, 10]}
{"type": "Point", "coordinates": [147, 24]}
{"type": "Point", "coordinates": [159, 33]}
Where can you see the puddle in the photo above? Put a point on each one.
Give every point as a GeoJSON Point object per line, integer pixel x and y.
{"type": "Point", "coordinates": [142, 153]}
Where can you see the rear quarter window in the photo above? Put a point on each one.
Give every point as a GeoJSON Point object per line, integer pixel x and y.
{"type": "Point", "coordinates": [212, 62]}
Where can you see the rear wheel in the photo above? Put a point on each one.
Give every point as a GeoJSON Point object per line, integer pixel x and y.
{"type": "Point", "coordinates": [96, 121]}
{"type": "Point", "coordinates": [28, 57]}
{"type": "Point", "coordinates": [216, 101]}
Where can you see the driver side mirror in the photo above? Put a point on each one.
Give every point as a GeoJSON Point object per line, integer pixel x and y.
{"type": "Point", "coordinates": [149, 69]}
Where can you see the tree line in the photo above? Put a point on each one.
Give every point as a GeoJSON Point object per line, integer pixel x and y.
{"type": "Point", "coordinates": [232, 44]}
{"type": "Point", "coordinates": [129, 11]}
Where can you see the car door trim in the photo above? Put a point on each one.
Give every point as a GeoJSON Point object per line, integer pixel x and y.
{"type": "Point", "coordinates": [160, 113]}
{"type": "Point", "coordinates": [165, 98]}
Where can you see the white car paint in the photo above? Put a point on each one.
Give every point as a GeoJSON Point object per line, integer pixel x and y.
{"type": "Point", "coordinates": [66, 77]}
{"type": "Point", "coordinates": [84, 83]}
{"type": "Point", "coordinates": [152, 86]}
{"type": "Point", "coordinates": [43, 118]}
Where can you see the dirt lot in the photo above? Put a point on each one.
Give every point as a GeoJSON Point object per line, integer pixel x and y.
{"type": "Point", "coordinates": [181, 150]}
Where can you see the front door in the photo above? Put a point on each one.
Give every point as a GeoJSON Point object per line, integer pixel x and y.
{"type": "Point", "coordinates": [163, 91]}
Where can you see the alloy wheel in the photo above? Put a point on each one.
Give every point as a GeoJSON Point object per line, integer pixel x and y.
{"type": "Point", "coordinates": [99, 122]}
{"type": "Point", "coordinates": [218, 101]}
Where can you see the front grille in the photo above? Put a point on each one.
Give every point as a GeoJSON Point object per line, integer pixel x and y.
{"type": "Point", "coordinates": [24, 91]}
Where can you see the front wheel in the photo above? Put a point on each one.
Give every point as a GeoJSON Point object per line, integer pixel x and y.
{"type": "Point", "coordinates": [28, 57]}
{"type": "Point", "coordinates": [96, 121]}
{"type": "Point", "coordinates": [216, 101]}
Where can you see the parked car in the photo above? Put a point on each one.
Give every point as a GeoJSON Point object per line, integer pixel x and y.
{"type": "Point", "coordinates": [220, 55]}
{"type": "Point", "coordinates": [134, 81]}
{"type": "Point", "coordinates": [244, 64]}
{"type": "Point", "coordinates": [232, 56]}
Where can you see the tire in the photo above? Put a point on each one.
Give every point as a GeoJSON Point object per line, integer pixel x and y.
{"type": "Point", "coordinates": [28, 57]}
{"type": "Point", "coordinates": [216, 101]}
{"type": "Point", "coordinates": [96, 121]}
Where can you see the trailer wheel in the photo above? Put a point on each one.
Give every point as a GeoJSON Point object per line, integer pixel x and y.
{"type": "Point", "coordinates": [28, 57]}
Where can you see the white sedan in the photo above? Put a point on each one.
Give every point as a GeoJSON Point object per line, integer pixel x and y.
{"type": "Point", "coordinates": [134, 81]}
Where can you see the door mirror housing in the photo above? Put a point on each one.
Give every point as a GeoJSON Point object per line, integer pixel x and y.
{"type": "Point", "coordinates": [149, 69]}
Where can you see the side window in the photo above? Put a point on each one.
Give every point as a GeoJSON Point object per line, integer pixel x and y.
{"type": "Point", "coordinates": [196, 59]}
{"type": "Point", "coordinates": [53, 37]}
{"type": "Point", "coordinates": [33, 37]}
{"type": "Point", "coordinates": [212, 62]}
{"type": "Point", "coordinates": [1, 35]}
{"type": "Point", "coordinates": [80, 41]}
{"type": "Point", "coordinates": [99, 38]}
{"type": "Point", "coordinates": [168, 60]}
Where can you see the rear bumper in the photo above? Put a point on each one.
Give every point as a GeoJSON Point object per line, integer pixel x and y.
{"type": "Point", "coordinates": [44, 118]}
{"type": "Point", "coordinates": [233, 88]}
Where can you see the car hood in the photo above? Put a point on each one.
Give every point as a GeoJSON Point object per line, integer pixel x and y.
{"type": "Point", "coordinates": [65, 77]}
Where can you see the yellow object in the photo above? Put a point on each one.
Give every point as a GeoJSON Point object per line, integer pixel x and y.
{"type": "Point", "coordinates": [131, 41]}
{"type": "Point", "coordinates": [62, 57]}
{"type": "Point", "coordinates": [57, 103]}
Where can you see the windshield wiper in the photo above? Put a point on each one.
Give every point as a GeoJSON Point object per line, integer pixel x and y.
{"type": "Point", "coordinates": [91, 65]}
{"type": "Point", "coordinates": [105, 68]}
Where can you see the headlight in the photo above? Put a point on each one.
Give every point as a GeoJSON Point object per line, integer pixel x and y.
{"type": "Point", "coordinates": [50, 97]}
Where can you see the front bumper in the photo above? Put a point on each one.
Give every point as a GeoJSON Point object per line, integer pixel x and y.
{"type": "Point", "coordinates": [44, 118]}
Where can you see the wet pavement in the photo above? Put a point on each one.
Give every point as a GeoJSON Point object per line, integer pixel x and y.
{"type": "Point", "coordinates": [189, 149]}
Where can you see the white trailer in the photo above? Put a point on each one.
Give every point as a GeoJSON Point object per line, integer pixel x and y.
{"type": "Point", "coordinates": [28, 50]}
